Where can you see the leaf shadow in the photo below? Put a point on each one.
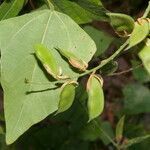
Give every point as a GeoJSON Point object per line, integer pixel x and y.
{"type": "Point", "coordinates": [44, 90]}
{"type": "Point", "coordinates": [48, 76]}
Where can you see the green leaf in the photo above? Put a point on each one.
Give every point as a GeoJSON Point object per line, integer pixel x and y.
{"type": "Point", "coordinates": [107, 128]}
{"type": "Point", "coordinates": [80, 13]}
{"type": "Point", "coordinates": [140, 32]}
{"type": "Point", "coordinates": [102, 40]}
{"type": "Point", "coordinates": [134, 141]}
{"type": "Point", "coordinates": [27, 104]}
{"type": "Point", "coordinates": [95, 97]}
{"type": "Point", "coordinates": [136, 99]}
{"type": "Point", "coordinates": [10, 8]}
{"type": "Point", "coordinates": [67, 96]}
{"type": "Point", "coordinates": [76, 12]}
{"type": "Point", "coordinates": [144, 54]}
{"type": "Point", "coordinates": [95, 8]}
{"type": "Point", "coordinates": [122, 24]}
{"type": "Point", "coordinates": [119, 129]}
{"type": "Point", "coordinates": [92, 132]}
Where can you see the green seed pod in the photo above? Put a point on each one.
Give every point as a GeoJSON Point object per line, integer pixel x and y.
{"type": "Point", "coordinates": [73, 59]}
{"type": "Point", "coordinates": [66, 96]}
{"type": "Point", "coordinates": [122, 24]}
{"type": "Point", "coordinates": [49, 61]}
{"type": "Point", "coordinates": [144, 55]}
{"type": "Point", "coordinates": [140, 32]}
{"type": "Point", "coordinates": [95, 96]}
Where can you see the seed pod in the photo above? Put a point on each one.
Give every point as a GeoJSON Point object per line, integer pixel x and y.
{"type": "Point", "coordinates": [140, 32]}
{"type": "Point", "coordinates": [122, 24]}
{"type": "Point", "coordinates": [144, 55]}
{"type": "Point", "coordinates": [73, 59]}
{"type": "Point", "coordinates": [66, 96]}
{"type": "Point", "coordinates": [95, 96]}
{"type": "Point", "coordinates": [49, 61]}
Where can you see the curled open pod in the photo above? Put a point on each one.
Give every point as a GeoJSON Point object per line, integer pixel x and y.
{"type": "Point", "coordinates": [49, 62]}
{"type": "Point", "coordinates": [140, 32]}
{"type": "Point", "coordinates": [67, 96]}
{"type": "Point", "coordinates": [73, 59]}
{"type": "Point", "coordinates": [95, 102]}
{"type": "Point", "coordinates": [122, 23]}
{"type": "Point", "coordinates": [144, 54]}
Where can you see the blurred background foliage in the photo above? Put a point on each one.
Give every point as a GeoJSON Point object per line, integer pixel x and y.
{"type": "Point", "coordinates": [126, 94]}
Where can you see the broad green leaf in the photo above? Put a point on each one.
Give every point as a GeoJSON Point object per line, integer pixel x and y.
{"type": "Point", "coordinates": [67, 96]}
{"type": "Point", "coordinates": [95, 97]}
{"type": "Point", "coordinates": [122, 24]}
{"type": "Point", "coordinates": [136, 99]}
{"type": "Point", "coordinates": [10, 8]}
{"type": "Point", "coordinates": [74, 60]}
{"type": "Point", "coordinates": [78, 12]}
{"type": "Point", "coordinates": [27, 104]}
{"type": "Point", "coordinates": [119, 129]}
{"type": "Point", "coordinates": [140, 32]}
{"type": "Point", "coordinates": [144, 54]}
{"type": "Point", "coordinates": [134, 141]}
{"type": "Point", "coordinates": [101, 39]}
{"type": "Point", "coordinates": [95, 8]}
{"type": "Point", "coordinates": [107, 128]}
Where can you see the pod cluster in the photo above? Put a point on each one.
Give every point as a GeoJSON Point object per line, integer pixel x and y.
{"type": "Point", "coordinates": [49, 62]}
{"type": "Point", "coordinates": [95, 103]}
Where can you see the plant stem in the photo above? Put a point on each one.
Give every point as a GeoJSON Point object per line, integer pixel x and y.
{"type": "Point", "coordinates": [147, 11]}
{"type": "Point", "coordinates": [105, 134]}
{"type": "Point", "coordinates": [104, 62]}
{"type": "Point", "coordinates": [100, 129]}
{"type": "Point", "coordinates": [125, 71]}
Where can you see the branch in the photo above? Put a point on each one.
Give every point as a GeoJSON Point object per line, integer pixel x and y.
{"type": "Point", "coordinates": [125, 71]}
{"type": "Point", "coordinates": [104, 62]}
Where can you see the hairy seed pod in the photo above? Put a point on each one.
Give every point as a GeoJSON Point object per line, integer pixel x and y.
{"type": "Point", "coordinates": [140, 32]}
{"type": "Point", "coordinates": [144, 54]}
{"type": "Point", "coordinates": [95, 96]}
{"type": "Point", "coordinates": [66, 96]}
{"type": "Point", "coordinates": [73, 59]}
